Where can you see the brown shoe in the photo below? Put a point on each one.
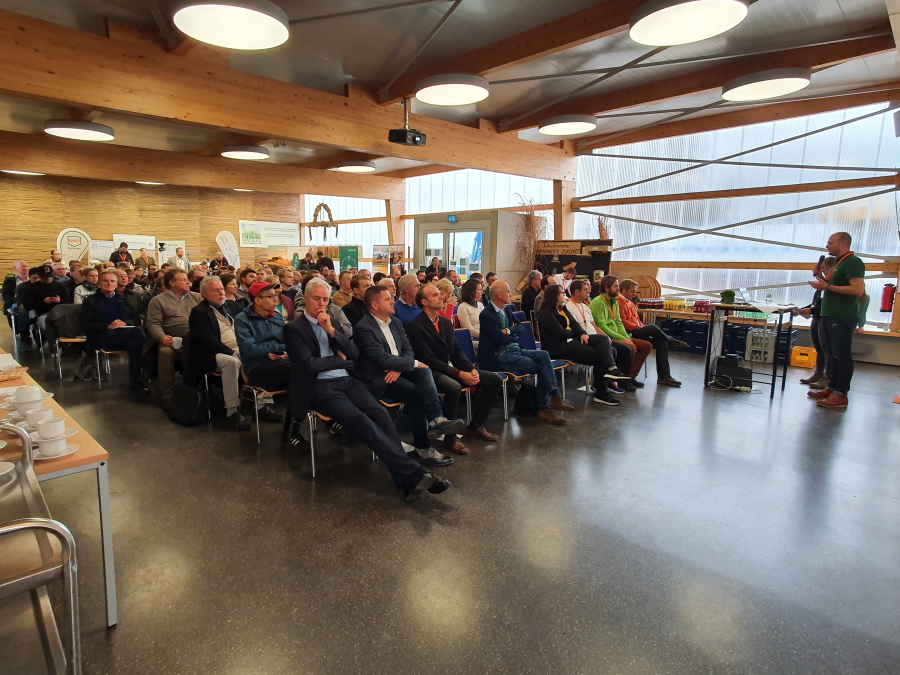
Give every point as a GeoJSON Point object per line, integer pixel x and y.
{"type": "Point", "coordinates": [812, 378]}
{"type": "Point", "coordinates": [558, 403]}
{"type": "Point", "coordinates": [820, 383]}
{"type": "Point", "coordinates": [482, 434]}
{"type": "Point", "coordinates": [823, 394]}
{"type": "Point", "coordinates": [454, 445]}
{"type": "Point", "coordinates": [546, 415]}
{"type": "Point", "coordinates": [833, 401]}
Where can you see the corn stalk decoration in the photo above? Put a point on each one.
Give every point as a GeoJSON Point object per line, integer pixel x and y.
{"type": "Point", "coordinates": [323, 224]}
{"type": "Point", "coordinates": [532, 229]}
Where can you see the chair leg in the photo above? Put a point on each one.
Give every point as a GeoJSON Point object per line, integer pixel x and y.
{"type": "Point", "coordinates": [99, 372]}
{"type": "Point", "coordinates": [256, 415]}
{"type": "Point", "coordinates": [107, 364]}
{"type": "Point", "coordinates": [505, 402]}
{"type": "Point", "coordinates": [208, 407]}
{"type": "Point", "coordinates": [312, 441]}
{"type": "Point", "coordinates": [563, 378]}
{"type": "Point", "coordinates": [58, 360]}
{"type": "Point", "coordinates": [469, 407]}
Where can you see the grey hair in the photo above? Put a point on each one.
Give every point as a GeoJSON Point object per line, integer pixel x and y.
{"type": "Point", "coordinates": [206, 281]}
{"type": "Point", "coordinates": [406, 280]}
{"type": "Point", "coordinates": [534, 274]}
{"type": "Point", "coordinates": [386, 281]}
{"type": "Point", "coordinates": [316, 281]}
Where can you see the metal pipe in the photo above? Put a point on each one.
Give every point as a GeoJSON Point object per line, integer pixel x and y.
{"type": "Point", "coordinates": [684, 113]}
{"type": "Point", "coordinates": [769, 165]}
{"type": "Point", "coordinates": [25, 437]}
{"type": "Point", "coordinates": [792, 284]}
{"type": "Point", "coordinates": [365, 10]}
{"type": "Point", "coordinates": [385, 90]}
{"type": "Point", "coordinates": [744, 152]}
{"type": "Point", "coordinates": [504, 124]}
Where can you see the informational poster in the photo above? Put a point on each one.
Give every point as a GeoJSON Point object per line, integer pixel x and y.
{"type": "Point", "coordinates": [73, 244]}
{"type": "Point", "coordinates": [284, 256]}
{"type": "Point", "coordinates": [166, 249]}
{"type": "Point", "coordinates": [228, 246]}
{"type": "Point", "coordinates": [101, 250]}
{"type": "Point", "coordinates": [136, 242]}
{"type": "Point", "coordinates": [381, 259]}
{"type": "Point", "coordinates": [256, 233]}
{"type": "Point", "coordinates": [349, 257]}
{"type": "Point", "coordinates": [397, 253]}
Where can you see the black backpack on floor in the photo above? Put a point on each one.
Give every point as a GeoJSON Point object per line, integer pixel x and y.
{"type": "Point", "coordinates": [526, 401]}
{"type": "Point", "coordinates": [189, 406]}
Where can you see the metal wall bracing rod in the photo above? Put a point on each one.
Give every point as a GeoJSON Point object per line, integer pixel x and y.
{"type": "Point", "coordinates": [730, 163]}
{"type": "Point", "coordinates": [717, 230]}
{"type": "Point", "coordinates": [745, 152]}
{"type": "Point", "coordinates": [684, 113]}
{"type": "Point", "coordinates": [504, 124]}
{"type": "Point", "coordinates": [385, 90]}
{"type": "Point", "coordinates": [690, 59]}
{"type": "Point", "coordinates": [881, 275]}
{"type": "Point", "coordinates": [365, 10]}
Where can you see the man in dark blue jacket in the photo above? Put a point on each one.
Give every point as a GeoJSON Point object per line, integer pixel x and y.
{"type": "Point", "coordinates": [388, 367]}
{"type": "Point", "coordinates": [260, 337]}
{"type": "Point", "coordinates": [109, 323]}
{"type": "Point", "coordinates": [322, 357]}
{"type": "Point", "coordinates": [498, 350]}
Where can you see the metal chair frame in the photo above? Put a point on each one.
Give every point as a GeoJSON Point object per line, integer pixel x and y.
{"type": "Point", "coordinates": [64, 340]}
{"type": "Point", "coordinates": [106, 367]}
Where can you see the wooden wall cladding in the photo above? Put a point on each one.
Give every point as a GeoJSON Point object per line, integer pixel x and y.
{"type": "Point", "coordinates": [33, 210]}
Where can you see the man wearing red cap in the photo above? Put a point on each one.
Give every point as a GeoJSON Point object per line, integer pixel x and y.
{"type": "Point", "coordinates": [260, 337]}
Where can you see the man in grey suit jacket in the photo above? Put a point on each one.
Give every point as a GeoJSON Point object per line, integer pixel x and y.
{"type": "Point", "coordinates": [389, 369]}
{"type": "Point", "coordinates": [180, 260]}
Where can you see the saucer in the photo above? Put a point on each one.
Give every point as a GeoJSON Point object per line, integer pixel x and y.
{"type": "Point", "coordinates": [36, 437]}
{"type": "Point", "coordinates": [70, 448]}
{"type": "Point", "coordinates": [6, 467]}
{"type": "Point", "coordinates": [2, 444]}
{"type": "Point", "coordinates": [12, 400]}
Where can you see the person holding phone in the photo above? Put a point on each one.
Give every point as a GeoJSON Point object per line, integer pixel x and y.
{"type": "Point", "coordinates": [45, 295]}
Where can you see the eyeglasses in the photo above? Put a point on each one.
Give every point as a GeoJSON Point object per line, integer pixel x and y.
{"type": "Point", "coordinates": [265, 297]}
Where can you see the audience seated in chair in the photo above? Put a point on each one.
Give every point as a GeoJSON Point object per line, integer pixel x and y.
{"type": "Point", "coordinates": [651, 333]}
{"type": "Point", "coordinates": [434, 344]}
{"type": "Point", "coordinates": [355, 310]}
{"type": "Point", "coordinates": [406, 308]}
{"type": "Point", "coordinates": [344, 295]}
{"type": "Point", "coordinates": [260, 337]}
{"type": "Point", "coordinates": [605, 309]}
{"type": "Point", "coordinates": [388, 367]}
{"type": "Point", "coordinates": [168, 317]}
{"type": "Point", "coordinates": [321, 381]}
{"type": "Point", "coordinates": [564, 338]}
{"type": "Point", "coordinates": [446, 288]}
{"type": "Point", "coordinates": [470, 307]}
{"type": "Point", "coordinates": [530, 293]}
{"type": "Point", "coordinates": [230, 283]}
{"type": "Point", "coordinates": [498, 350]}
{"type": "Point", "coordinates": [10, 284]}
{"type": "Point", "coordinates": [110, 324]}
{"type": "Point", "coordinates": [389, 284]}
{"type": "Point", "coordinates": [43, 296]}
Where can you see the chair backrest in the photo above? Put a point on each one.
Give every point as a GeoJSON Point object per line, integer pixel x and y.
{"type": "Point", "coordinates": [526, 336]}
{"type": "Point", "coordinates": [519, 316]}
{"type": "Point", "coordinates": [455, 309]}
{"type": "Point", "coordinates": [464, 338]}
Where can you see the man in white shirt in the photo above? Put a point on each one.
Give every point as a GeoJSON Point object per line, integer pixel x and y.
{"type": "Point", "coordinates": [565, 279]}
{"type": "Point", "coordinates": [389, 369]}
{"type": "Point", "coordinates": [453, 277]}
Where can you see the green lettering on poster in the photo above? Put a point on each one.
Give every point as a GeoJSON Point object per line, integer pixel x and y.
{"type": "Point", "coordinates": [349, 257]}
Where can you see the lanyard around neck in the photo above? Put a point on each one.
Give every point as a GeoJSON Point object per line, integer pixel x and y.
{"type": "Point", "coordinates": [837, 262]}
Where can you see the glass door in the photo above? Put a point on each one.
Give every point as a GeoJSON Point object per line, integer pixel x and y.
{"type": "Point", "coordinates": [460, 250]}
{"type": "Point", "coordinates": [434, 247]}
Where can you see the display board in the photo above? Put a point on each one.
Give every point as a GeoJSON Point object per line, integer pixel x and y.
{"type": "Point", "coordinates": [101, 250]}
{"type": "Point", "coordinates": [166, 249]}
{"type": "Point", "coordinates": [261, 233]}
{"type": "Point", "coordinates": [73, 244]}
{"type": "Point", "coordinates": [136, 242]}
{"type": "Point", "coordinates": [592, 258]}
{"type": "Point", "coordinates": [381, 259]}
{"type": "Point", "coordinates": [228, 245]}
{"type": "Point", "coordinates": [349, 257]}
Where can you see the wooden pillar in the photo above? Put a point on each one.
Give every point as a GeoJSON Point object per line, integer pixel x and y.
{"type": "Point", "coordinates": [895, 314]}
{"type": "Point", "coordinates": [395, 211]}
{"type": "Point", "coordinates": [563, 216]}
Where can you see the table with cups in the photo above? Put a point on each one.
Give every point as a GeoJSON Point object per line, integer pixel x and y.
{"type": "Point", "coordinates": [62, 448]}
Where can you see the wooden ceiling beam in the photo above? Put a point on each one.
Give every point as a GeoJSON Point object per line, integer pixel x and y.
{"type": "Point", "coordinates": [61, 157]}
{"type": "Point", "coordinates": [415, 171]}
{"type": "Point", "coordinates": [49, 62]}
{"type": "Point", "coordinates": [823, 186]}
{"type": "Point", "coordinates": [746, 116]}
{"type": "Point", "coordinates": [710, 79]}
{"type": "Point", "coordinates": [214, 149]}
{"type": "Point", "coordinates": [576, 29]}
{"type": "Point", "coordinates": [188, 47]}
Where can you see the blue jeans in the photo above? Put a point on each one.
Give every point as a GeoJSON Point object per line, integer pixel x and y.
{"type": "Point", "coordinates": [531, 362]}
{"type": "Point", "coordinates": [837, 339]}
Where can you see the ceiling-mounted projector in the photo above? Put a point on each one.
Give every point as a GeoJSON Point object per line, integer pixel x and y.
{"type": "Point", "coordinates": [406, 136]}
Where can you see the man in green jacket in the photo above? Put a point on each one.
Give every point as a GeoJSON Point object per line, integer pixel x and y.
{"type": "Point", "coordinates": [841, 290]}
{"type": "Point", "coordinates": [630, 352]}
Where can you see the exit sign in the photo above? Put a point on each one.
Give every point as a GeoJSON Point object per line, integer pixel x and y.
{"type": "Point", "coordinates": [451, 219]}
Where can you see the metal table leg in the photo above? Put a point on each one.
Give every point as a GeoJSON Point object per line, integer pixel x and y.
{"type": "Point", "coordinates": [109, 566]}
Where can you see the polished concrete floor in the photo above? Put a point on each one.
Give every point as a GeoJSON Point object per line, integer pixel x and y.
{"type": "Point", "coordinates": [686, 531]}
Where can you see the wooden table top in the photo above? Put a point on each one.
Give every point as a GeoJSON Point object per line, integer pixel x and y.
{"type": "Point", "coordinates": [89, 450]}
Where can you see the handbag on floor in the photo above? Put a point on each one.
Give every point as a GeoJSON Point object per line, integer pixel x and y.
{"type": "Point", "coordinates": [526, 401]}
{"type": "Point", "coordinates": [189, 406]}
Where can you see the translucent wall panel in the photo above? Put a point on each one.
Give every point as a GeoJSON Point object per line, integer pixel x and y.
{"type": "Point", "coordinates": [349, 208]}
{"type": "Point", "coordinates": [471, 190]}
{"type": "Point", "coordinates": [346, 208]}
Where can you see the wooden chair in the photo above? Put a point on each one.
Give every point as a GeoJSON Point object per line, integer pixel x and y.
{"type": "Point", "coordinates": [65, 341]}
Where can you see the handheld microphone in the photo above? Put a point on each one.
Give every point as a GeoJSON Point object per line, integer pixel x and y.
{"type": "Point", "coordinates": [819, 264]}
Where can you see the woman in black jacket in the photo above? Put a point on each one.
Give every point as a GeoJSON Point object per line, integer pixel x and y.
{"type": "Point", "coordinates": [564, 338]}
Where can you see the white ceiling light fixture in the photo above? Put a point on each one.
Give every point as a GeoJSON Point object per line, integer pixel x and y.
{"type": "Point", "coordinates": [452, 89]}
{"type": "Point", "coordinates": [233, 24]}
{"type": "Point", "coordinates": [21, 173]}
{"type": "Point", "coordinates": [147, 182]}
{"type": "Point", "coordinates": [767, 84]}
{"type": "Point", "coordinates": [245, 152]}
{"type": "Point", "coordinates": [568, 125]}
{"type": "Point", "coordinates": [79, 131]}
{"type": "Point", "coordinates": [663, 23]}
{"type": "Point", "coordinates": [356, 167]}
{"type": "Point", "coordinates": [242, 189]}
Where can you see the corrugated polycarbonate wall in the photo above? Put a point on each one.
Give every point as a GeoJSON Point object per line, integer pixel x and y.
{"type": "Point", "coordinates": [872, 221]}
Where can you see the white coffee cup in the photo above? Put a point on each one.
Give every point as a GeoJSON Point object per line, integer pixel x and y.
{"type": "Point", "coordinates": [37, 414]}
{"type": "Point", "coordinates": [23, 407]}
{"type": "Point", "coordinates": [51, 428]}
{"type": "Point", "coordinates": [176, 342]}
{"type": "Point", "coordinates": [53, 446]}
{"type": "Point", "coordinates": [28, 392]}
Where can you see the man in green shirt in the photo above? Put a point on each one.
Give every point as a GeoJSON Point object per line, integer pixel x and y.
{"type": "Point", "coordinates": [630, 352]}
{"type": "Point", "coordinates": [841, 292]}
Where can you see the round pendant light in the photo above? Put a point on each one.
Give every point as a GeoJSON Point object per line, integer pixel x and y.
{"type": "Point", "coordinates": [568, 125]}
{"type": "Point", "coordinates": [245, 152]}
{"type": "Point", "coordinates": [661, 23]}
{"type": "Point", "coordinates": [233, 24]}
{"type": "Point", "coordinates": [21, 173]}
{"type": "Point", "coordinates": [242, 190]}
{"type": "Point", "coordinates": [767, 84]}
{"type": "Point", "coordinates": [147, 182]}
{"type": "Point", "coordinates": [452, 89]}
{"type": "Point", "coordinates": [79, 131]}
{"type": "Point", "coordinates": [356, 167]}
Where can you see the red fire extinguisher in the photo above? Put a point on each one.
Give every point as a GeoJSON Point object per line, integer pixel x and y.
{"type": "Point", "coordinates": [887, 297]}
